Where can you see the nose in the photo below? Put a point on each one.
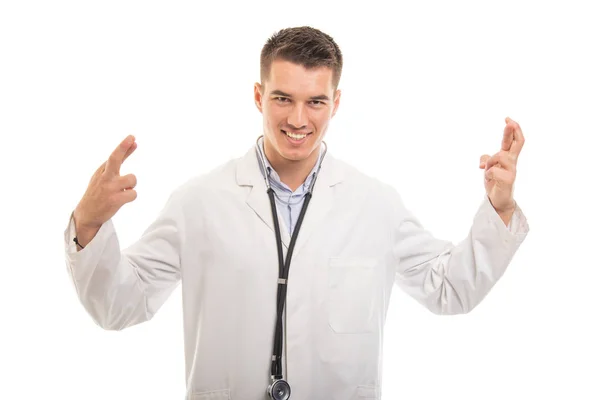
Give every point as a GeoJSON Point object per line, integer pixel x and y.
{"type": "Point", "coordinates": [298, 117]}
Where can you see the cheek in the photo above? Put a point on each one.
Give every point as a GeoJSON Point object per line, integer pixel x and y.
{"type": "Point", "coordinates": [274, 117]}
{"type": "Point", "coordinates": [321, 119]}
{"type": "Point", "coordinates": [267, 117]}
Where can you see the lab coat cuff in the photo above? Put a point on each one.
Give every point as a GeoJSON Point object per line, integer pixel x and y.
{"type": "Point", "coordinates": [92, 252]}
{"type": "Point", "coordinates": [512, 235]}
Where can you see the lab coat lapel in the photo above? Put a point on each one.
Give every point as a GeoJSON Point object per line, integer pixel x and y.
{"type": "Point", "coordinates": [249, 174]}
{"type": "Point", "coordinates": [321, 203]}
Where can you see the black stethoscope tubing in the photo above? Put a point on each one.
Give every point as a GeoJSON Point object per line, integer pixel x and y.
{"type": "Point", "coordinates": [284, 267]}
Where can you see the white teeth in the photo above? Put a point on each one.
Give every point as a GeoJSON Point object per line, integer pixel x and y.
{"type": "Point", "coordinates": [294, 136]}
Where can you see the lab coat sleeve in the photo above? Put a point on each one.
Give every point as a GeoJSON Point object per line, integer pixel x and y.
{"type": "Point", "coordinates": [123, 288]}
{"type": "Point", "coordinates": [453, 279]}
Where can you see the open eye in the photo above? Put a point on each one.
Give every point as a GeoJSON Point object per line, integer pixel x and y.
{"type": "Point", "coordinates": [316, 102]}
{"type": "Point", "coordinates": [282, 99]}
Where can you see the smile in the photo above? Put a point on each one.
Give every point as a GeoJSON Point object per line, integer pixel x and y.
{"type": "Point", "coordinates": [295, 136]}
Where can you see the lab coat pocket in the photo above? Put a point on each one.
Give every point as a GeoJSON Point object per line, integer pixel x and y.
{"type": "Point", "coordinates": [352, 290]}
{"type": "Point", "coordinates": [212, 395]}
{"type": "Point", "coordinates": [368, 392]}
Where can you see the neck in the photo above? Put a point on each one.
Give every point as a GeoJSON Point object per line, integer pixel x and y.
{"type": "Point", "coordinates": [291, 172]}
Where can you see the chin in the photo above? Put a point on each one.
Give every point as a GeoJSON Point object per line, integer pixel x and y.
{"type": "Point", "coordinates": [296, 154]}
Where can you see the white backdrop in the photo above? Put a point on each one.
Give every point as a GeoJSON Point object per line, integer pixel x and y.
{"type": "Point", "coordinates": [425, 90]}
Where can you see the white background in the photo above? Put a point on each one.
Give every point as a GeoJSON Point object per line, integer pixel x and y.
{"type": "Point", "coordinates": [426, 87]}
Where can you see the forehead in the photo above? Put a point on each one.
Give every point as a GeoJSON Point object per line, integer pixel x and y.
{"type": "Point", "coordinates": [295, 79]}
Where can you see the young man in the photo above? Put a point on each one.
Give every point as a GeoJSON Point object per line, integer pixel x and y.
{"type": "Point", "coordinates": [256, 321]}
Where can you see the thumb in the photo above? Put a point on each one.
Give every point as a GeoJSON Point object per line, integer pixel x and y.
{"type": "Point", "coordinates": [483, 160]}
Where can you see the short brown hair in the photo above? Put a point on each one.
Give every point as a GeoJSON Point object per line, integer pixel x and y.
{"type": "Point", "coordinates": [305, 46]}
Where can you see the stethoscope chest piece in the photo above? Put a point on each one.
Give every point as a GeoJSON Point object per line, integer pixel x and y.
{"type": "Point", "coordinates": [279, 390]}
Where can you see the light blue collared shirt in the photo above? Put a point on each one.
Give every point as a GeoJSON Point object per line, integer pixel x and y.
{"type": "Point", "coordinates": [288, 203]}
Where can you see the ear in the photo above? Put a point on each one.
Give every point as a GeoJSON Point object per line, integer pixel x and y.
{"type": "Point", "coordinates": [336, 101]}
{"type": "Point", "coordinates": [258, 96]}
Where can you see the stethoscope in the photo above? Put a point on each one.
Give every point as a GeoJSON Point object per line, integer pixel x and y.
{"type": "Point", "coordinates": [279, 388]}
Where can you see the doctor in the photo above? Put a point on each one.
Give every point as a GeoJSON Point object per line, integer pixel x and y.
{"type": "Point", "coordinates": [287, 256]}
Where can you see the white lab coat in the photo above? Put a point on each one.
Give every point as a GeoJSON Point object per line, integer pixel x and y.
{"type": "Point", "coordinates": [215, 236]}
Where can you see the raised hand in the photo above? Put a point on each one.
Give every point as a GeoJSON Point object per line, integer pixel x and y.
{"type": "Point", "coordinates": [106, 193]}
{"type": "Point", "coordinates": [501, 169]}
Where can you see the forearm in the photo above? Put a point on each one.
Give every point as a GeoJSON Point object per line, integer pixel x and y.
{"type": "Point", "coordinates": [506, 216]}
{"type": "Point", "coordinates": [105, 281]}
{"type": "Point", "coordinates": [454, 279]}
{"type": "Point", "coordinates": [84, 233]}
{"type": "Point", "coordinates": [120, 288]}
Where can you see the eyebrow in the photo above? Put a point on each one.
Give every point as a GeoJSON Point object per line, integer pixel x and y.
{"type": "Point", "coordinates": [280, 93]}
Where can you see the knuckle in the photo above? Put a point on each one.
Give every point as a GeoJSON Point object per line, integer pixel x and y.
{"type": "Point", "coordinates": [105, 176]}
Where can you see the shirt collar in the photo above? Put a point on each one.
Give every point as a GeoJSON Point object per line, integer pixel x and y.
{"type": "Point", "coordinates": [274, 177]}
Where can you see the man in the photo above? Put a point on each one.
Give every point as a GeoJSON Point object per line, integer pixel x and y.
{"type": "Point", "coordinates": [256, 321]}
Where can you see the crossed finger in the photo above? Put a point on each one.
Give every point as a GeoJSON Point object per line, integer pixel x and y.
{"type": "Point", "coordinates": [505, 159]}
{"type": "Point", "coordinates": [498, 174]}
{"type": "Point", "coordinates": [513, 139]}
{"type": "Point", "coordinates": [127, 182]}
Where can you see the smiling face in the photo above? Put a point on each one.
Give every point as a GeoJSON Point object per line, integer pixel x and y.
{"type": "Point", "coordinates": [297, 105]}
